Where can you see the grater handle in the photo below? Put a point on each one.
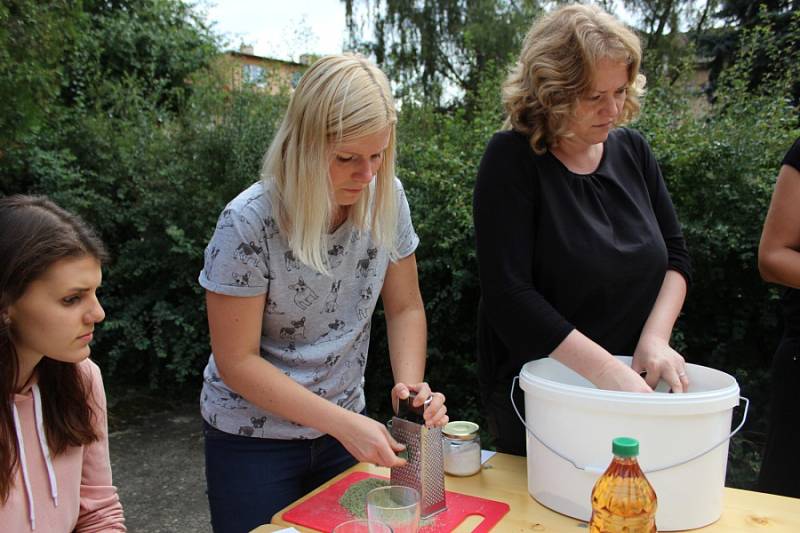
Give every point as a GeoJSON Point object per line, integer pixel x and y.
{"type": "Point", "coordinates": [408, 411]}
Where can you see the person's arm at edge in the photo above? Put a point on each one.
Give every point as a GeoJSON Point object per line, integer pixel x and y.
{"type": "Point", "coordinates": [235, 327]}
{"type": "Point", "coordinates": [779, 249]}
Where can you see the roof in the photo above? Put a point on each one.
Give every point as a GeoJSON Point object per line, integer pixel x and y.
{"type": "Point", "coordinates": [263, 58]}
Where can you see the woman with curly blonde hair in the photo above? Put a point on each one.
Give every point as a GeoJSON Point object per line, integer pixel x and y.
{"type": "Point", "coordinates": [292, 276]}
{"type": "Point", "coordinates": [579, 249]}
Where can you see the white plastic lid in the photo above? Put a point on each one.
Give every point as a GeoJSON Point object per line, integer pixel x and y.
{"type": "Point", "coordinates": [461, 430]}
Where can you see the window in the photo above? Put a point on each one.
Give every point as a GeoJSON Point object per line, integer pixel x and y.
{"type": "Point", "coordinates": [253, 74]}
{"type": "Point", "coordinates": [296, 78]}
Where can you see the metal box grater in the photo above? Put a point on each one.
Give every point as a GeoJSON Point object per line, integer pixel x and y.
{"type": "Point", "coordinates": [424, 469]}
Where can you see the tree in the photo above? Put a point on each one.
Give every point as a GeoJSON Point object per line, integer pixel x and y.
{"type": "Point", "coordinates": [73, 52]}
{"type": "Point", "coordinates": [436, 49]}
{"type": "Point", "coordinates": [667, 28]}
{"type": "Point", "coordinates": [746, 13]}
{"type": "Point", "coordinates": [781, 16]}
{"type": "Point", "coordinates": [157, 43]}
{"type": "Point", "coordinates": [120, 145]}
{"type": "Point", "coordinates": [33, 37]}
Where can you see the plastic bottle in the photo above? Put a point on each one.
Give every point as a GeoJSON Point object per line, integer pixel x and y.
{"type": "Point", "coordinates": [623, 501]}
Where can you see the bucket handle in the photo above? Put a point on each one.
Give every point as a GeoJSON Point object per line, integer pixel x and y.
{"type": "Point", "coordinates": [600, 470]}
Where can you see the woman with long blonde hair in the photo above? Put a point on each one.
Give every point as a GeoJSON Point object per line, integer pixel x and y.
{"type": "Point", "coordinates": [292, 275]}
{"type": "Point", "coordinates": [580, 253]}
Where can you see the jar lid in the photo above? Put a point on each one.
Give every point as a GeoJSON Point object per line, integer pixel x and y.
{"type": "Point", "coordinates": [461, 430]}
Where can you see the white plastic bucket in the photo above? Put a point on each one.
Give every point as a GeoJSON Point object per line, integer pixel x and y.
{"type": "Point", "coordinates": [683, 440]}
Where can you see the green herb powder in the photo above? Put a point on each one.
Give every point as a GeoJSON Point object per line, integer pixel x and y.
{"type": "Point", "coordinates": [354, 499]}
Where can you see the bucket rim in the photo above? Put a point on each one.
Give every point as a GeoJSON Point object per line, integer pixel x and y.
{"type": "Point", "coordinates": [529, 380]}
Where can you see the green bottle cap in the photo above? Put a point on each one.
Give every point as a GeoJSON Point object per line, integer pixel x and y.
{"type": "Point", "coordinates": [625, 447]}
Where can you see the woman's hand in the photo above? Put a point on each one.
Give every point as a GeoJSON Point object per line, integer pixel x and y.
{"type": "Point", "coordinates": [592, 361]}
{"type": "Point", "coordinates": [435, 413]}
{"type": "Point", "coordinates": [653, 353]}
{"type": "Point", "coordinates": [655, 356]}
{"type": "Point", "coordinates": [616, 375]}
{"type": "Point", "coordinates": [369, 441]}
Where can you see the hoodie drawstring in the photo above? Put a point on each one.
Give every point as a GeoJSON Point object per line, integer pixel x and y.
{"type": "Point", "coordinates": [48, 461]}
{"type": "Point", "coordinates": [23, 463]}
{"type": "Point", "coordinates": [37, 411]}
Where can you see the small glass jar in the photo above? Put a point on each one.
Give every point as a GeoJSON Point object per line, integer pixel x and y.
{"type": "Point", "coordinates": [462, 448]}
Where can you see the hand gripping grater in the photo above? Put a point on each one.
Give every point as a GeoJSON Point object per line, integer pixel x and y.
{"type": "Point", "coordinates": [424, 468]}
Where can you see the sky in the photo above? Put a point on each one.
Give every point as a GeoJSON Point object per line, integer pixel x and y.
{"type": "Point", "coordinates": [285, 29]}
{"type": "Point", "coordinates": [282, 29]}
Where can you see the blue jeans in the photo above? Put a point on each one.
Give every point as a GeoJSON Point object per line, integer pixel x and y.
{"type": "Point", "coordinates": [250, 479]}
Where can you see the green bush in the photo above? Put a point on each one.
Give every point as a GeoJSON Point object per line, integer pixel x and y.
{"type": "Point", "coordinates": [720, 166]}
{"type": "Point", "coordinates": [154, 188]}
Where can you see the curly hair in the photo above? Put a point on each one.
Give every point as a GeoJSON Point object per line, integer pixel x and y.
{"type": "Point", "coordinates": [557, 66]}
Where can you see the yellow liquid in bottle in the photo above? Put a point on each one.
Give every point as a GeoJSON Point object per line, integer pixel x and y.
{"type": "Point", "coordinates": [623, 501]}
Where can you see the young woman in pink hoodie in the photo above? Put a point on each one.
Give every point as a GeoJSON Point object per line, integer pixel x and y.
{"type": "Point", "coordinates": [55, 473]}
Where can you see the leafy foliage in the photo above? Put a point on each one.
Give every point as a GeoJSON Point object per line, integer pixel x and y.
{"type": "Point", "coordinates": [721, 167]}
{"type": "Point", "coordinates": [148, 147]}
{"type": "Point", "coordinates": [33, 35]}
{"type": "Point", "coordinates": [725, 44]}
{"type": "Point", "coordinates": [434, 48]}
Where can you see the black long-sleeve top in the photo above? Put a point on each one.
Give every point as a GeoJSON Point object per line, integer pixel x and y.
{"type": "Point", "coordinates": [558, 250]}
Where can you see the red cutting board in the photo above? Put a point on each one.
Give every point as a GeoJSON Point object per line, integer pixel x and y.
{"type": "Point", "coordinates": [322, 511]}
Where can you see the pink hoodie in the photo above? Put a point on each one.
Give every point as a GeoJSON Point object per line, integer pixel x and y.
{"type": "Point", "coordinates": [71, 491]}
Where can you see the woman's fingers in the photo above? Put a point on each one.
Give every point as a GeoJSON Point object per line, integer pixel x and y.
{"type": "Point", "coordinates": [369, 441]}
{"type": "Point", "coordinates": [672, 379]}
{"type": "Point", "coordinates": [652, 377]}
{"type": "Point", "coordinates": [389, 456]}
{"type": "Point", "coordinates": [672, 372]}
{"type": "Point", "coordinates": [435, 413]}
{"type": "Point", "coordinates": [657, 361]}
{"type": "Point", "coordinates": [399, 392]}
{"type": "Point", "coordinates": [423, 391]}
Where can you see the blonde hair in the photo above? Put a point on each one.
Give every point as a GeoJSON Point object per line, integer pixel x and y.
{"type": "Point", "coordinates": [340, 99]}
{"type": "Point", "coordinates": [557, 66]}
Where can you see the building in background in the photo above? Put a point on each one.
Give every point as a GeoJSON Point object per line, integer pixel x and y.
{"type": "Point", "coordinates": [243, 69]}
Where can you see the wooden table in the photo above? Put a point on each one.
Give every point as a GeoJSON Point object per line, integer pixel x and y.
{"type": "Point", "coordinates": [504, 478]}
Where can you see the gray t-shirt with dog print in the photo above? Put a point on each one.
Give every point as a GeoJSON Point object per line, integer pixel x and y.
{"type": "Point", "coordinates": [315, 327]}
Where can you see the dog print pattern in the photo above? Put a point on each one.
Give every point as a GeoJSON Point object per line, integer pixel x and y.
{"type": "Point", "coordinates": [330, 301]}
{"type": "Point", "coordinates": [247, 253]}
{"type": "Point", "coordinates": [366, 266]}
{"type": "Point", "coordinates": [304, 295]}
